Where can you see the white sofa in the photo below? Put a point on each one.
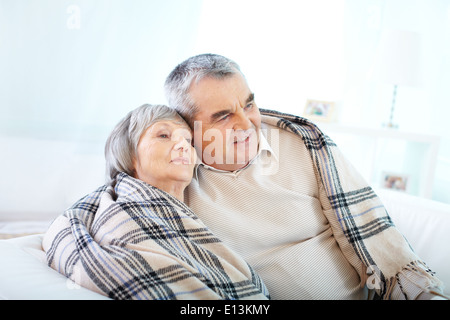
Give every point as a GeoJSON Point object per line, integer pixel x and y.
{"type": "Point", "coordinates": [25, 275]}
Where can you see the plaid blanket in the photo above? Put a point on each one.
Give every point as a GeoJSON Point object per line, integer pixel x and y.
{"type": "Point", "coordinates": [361, 225]}
{"type": "Point", "coordinates": [134, 241]}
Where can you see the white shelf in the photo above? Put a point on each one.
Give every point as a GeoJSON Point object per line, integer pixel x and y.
{"type": "Point", "coordinates": [380, 133]}
{"type": "Point", "coordinates": [420, 155]}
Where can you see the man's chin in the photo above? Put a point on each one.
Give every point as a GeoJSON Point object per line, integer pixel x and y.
{"type": "Point", "coordinates": [230, 167]}
{"type": "Point", "coordinates": [238, 163]}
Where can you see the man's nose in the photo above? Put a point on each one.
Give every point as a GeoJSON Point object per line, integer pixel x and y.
{"type": "Point", "coordinates": [243, 122]}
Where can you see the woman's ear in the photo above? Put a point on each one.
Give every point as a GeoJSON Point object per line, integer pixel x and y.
{"type": "Point", "coordinates": [133, 171]}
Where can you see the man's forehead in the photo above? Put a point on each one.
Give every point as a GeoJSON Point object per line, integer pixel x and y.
{"type": "Point", "coordinates": [207, 87]}
{"type": "Point", "coordinates": [216, 109]}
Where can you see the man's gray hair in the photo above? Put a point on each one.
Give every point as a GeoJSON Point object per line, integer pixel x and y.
{"type": "Point", "coordinates": [179, 81]}
{"type": "Point", "coordinates": [121, 145]}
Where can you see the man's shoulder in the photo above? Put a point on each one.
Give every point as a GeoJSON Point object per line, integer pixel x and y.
{"type": "Point", "coordinates": [287, 122]}
{"type": "Point", "coordinates": [276, 132]}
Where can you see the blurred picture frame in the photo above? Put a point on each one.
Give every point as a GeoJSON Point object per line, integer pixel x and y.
{"type": "Point", "coordinates": [319, 110]}
{"type": "Point", "coordinates": [395, 181]}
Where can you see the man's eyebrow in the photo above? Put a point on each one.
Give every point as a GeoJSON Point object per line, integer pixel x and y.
{"type": "Point", "coordinates": [224, 112]}
{"type": "Point", "coordinates": [250, 98]}
{"type": "Point", "coordinates": [219, 114]}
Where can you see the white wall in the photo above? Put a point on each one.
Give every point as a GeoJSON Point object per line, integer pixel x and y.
{"type": "Point", "coordinates": [63, 76]}
{"type": "Point", "coordinates": [289, 50]}
{"type": "Point", "coordinates": [421, 109]}
{"type": "Point", "coordinates": [43, 177]}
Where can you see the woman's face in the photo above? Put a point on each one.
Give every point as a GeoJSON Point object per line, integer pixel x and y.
{"type": "Point", "coordinates": [165, 155]}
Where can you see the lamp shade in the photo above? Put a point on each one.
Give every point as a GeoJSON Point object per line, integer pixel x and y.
{"type": "Point", "coordinates": [399, 58]}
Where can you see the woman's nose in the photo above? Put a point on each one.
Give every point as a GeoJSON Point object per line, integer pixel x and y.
{"type": "Point", "coordinates": [182, 144]}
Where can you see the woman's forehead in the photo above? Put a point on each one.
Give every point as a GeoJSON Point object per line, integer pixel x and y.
{"type": "Point", "coordinates": [170, 124]}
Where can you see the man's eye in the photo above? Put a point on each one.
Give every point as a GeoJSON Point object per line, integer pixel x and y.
{"type": "Point", "coordinates": [164, 135]}
{"type": "Point", "coordinates": [249, 106]}
{"type": "Point", "coordinates": [224, 117]}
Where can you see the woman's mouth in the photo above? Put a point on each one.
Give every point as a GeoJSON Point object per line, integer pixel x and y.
{"type": "Point", "coordinates": [181, 160]}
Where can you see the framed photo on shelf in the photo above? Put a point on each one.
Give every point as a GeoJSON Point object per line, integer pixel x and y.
{"type": "Point", "coordinates": [395, 181]}
{"type": "Point", "coordinates": [319, 110]}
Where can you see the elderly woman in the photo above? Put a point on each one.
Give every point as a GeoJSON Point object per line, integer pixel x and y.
{"type": "Point", "coordinates": [134, 238]}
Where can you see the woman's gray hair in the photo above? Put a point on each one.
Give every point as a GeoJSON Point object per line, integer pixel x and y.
{"type": "Point", "coordinates": [121, 145]}
{"type": "Point", "coordinates": [179, 81]}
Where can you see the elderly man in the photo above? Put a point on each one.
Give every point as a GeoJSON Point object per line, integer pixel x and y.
{"type": "Point", "coordinates": [278, 192]}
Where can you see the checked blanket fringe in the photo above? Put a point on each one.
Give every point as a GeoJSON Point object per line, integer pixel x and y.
{"type": "Point", "coordinates": [134, 241]}
{"type": "Point", "coordinates": [361, 225]}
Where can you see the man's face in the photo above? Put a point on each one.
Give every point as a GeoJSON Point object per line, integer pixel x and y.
{"type": "Point", "coordinates": [229, 120]}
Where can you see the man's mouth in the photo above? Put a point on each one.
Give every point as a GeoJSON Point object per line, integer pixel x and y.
{"type": "Point", "coordinates": [244, 139]}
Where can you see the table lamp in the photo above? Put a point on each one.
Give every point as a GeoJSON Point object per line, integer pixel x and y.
{"type": "Point", "coordinates": [399, 57]}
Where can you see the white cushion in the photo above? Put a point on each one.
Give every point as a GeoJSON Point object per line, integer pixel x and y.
{"type": "Point", "coordinates": [426, 226]}
{"type": "Point", "coordinates": [24, 274]}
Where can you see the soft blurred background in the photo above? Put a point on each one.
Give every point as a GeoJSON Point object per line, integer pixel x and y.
{"type": "Point", "coordinates": [70, 70]}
